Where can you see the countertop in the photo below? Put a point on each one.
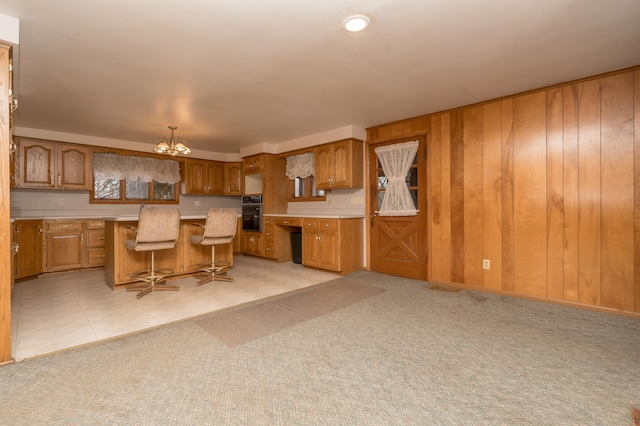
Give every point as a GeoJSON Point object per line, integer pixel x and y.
{"type": "Point", "coordinates": [134, 218]}
{"type": "Point", "coordinates": [319, 216]}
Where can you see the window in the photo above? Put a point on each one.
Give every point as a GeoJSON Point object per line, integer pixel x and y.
{"type": "Point", "coordinates": [300, 170]}
{"type": "Point", "coordinates": [397, 172]}
{"type": "Point", "coordinates": [131, 179]}
{"type": "Point", "coordinates": [304, 190]}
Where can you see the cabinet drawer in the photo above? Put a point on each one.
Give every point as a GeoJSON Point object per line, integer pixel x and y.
{"type": "Point", "coordinates": [95, 223]}
{"type": "Point", "coordinates": [95, 257]}
{"type": "Point", "coordinates": [95, 238]}
{"type": "Point", "coordinates": [268, 221]}
{"type": "Point", "coordinates": [288, 221]}
{"type": "Point", "coordinates": [310, 224]}
{"type": "Point", "coordinates": [269, 250]}
{"type": "Point", "coordinates": [64, 225]}
{"type": "Point", "coordinates": [268, 233]}
{"type": "Point", "coordinates": [329, 225]}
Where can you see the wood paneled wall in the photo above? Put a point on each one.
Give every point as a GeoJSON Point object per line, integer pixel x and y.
{"type": "Point", "coordinates": [545, 185]}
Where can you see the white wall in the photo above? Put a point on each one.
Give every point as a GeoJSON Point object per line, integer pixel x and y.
{"type": "Point", "coordinates": [52, 203]}
{"type": "Point", "coordinates": [339, 201]}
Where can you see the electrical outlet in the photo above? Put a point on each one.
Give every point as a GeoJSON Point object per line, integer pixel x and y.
{"type": "Point", "coordinates": [357, 200]}
{"type": "Point", "coordinates": [197, 203]}
{"type": "Point", "coordinates": [486, 264]}
{"type": "Point", "coordinates": [60, 201]}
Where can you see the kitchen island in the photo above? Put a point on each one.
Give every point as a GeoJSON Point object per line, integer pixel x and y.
{"type": "Point", "coordinates": [121, 262]}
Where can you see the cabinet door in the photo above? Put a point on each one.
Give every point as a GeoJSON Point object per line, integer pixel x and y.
{"type": "Point", "coordinates": [12, 169]}
{"type": "Point", "coordinates": [65, 250]}
{"type": "Point", "coordinates": [323, 166]}
{"type": "Point", "coordinates": [233, 178]}
{"type": "Point", "coordinates": [341, 165]}
{"type": "Point", "coordinates": [310, 249]}
{"type": "Point", "coordinates": [329, 251]}
{"type": "Point", "coordinates": [28, 259]}
{"type": "Point", "coordinates": [216, 178]}
{"type": "Point", "coordinates": [195, 176]}
{"type": "Point", "coordinates": [252, 243]}
{"type": "Point", "coordinates": [252, 164]}
{"type": "Point", "coordinates": [73, 167]}
{"type": "Point", "coordinates": [35, 164]}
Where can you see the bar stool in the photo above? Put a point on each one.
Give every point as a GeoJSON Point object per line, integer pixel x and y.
{"type": "Point", "coordinates": [219, 228]}
{"type": "Point", "coordinates": [157, 229]}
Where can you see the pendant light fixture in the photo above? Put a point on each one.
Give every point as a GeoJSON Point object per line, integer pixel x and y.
{"type": "Point", "coordinates": [173, 146]}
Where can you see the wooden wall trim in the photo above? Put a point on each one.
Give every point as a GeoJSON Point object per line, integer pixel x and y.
{"type": "Point", "coordinates": [5, 214]}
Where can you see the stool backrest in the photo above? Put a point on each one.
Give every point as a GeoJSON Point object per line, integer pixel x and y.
{"type": "Point", "coordinates": [221, 223]}
{"type": "Point", "coordinates": [158, 225]}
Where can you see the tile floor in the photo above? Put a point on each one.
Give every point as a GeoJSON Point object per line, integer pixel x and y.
{"type": "Point", "coordinates": [57, 312]}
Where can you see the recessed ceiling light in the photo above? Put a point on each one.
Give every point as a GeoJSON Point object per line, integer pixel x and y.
{"type": "Point", "coordinates": [355, 23]}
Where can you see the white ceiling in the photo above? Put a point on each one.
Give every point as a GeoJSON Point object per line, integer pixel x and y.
{"type": "Point", "coordinates": [231, 74]}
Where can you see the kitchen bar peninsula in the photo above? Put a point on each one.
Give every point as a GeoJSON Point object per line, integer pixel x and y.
{"type": "Point", "coordinates": [121, 262]}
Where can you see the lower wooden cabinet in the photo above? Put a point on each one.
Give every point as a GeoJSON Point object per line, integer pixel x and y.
{"type": "Point", "coordinates": [334, 244]}
{"type": "Point", "coordinates": [28, 237]}
{"type": "Point", "coordinates": [64, 244]}
{"type": "Point", "coordinates": [321, 243]}
{"type": "Point", "coordinates": [252, 243]}
{"type": "Point", "coordinates": [94, 247]}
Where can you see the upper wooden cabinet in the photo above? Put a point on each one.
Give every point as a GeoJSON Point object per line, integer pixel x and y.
{"type": "Point", "coordinates": [339, 164]}
{"type": "Point", "coordinates": [52, 165]}
{"type": "Point", "coordinates": [253, 164]}
{"type": "Point", "coordinates": [233, 178]}
{"type": "Point", "coordinates": [203, 177]}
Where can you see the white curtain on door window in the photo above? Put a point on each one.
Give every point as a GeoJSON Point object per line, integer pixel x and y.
{"type": "Point", "coordinates": [300, 166]}
{"type": "Point", "coordinates": [129, 167]}
{"type": "Point", "coordinates": [396, 161]}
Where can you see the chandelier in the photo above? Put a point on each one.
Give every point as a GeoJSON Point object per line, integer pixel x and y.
{"type": "Point", "coordinates": [173, 146]}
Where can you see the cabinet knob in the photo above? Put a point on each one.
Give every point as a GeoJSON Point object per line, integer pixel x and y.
{"type": "Point", "coordinates": [102, 256]}
{"type": "Point", "coordinates": [52, 180]}
{"type": "Point", "coordinates": [102, 238]}
{"type": "Point", "coordinates": [59, 180]}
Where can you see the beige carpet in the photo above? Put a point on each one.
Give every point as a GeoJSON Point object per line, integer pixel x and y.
{"type": "Point", "coordinates": [237, 327]}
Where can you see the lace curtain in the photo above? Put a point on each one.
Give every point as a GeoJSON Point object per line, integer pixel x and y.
{"type": "Point", "coordinates": [119, 167]}
{"type": "Point", "coordinates": [396, 161]}
{"type": "Point", "coordinates": [300, 166]}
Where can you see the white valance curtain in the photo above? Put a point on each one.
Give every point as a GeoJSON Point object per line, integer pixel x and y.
{"type": "Point", "coordinates": [396, 161]}
{"type": "Point", "coordinates": [119, 167]}
{"type": "Point", "coordinates": [300, 166]}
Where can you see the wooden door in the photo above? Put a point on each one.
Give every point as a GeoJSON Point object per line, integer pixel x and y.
{"type": "Point", "coordinates": [36, 167]}
{"type": "Point", "coordinates": [28, 259]}
{"type": "Point", "coordinates": [73, 167]}
{"type": "Point", "coordinates": [398, 244]}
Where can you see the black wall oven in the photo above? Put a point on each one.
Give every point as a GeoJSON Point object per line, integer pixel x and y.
{"type": "Point", "coordinates": [252, 213]}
